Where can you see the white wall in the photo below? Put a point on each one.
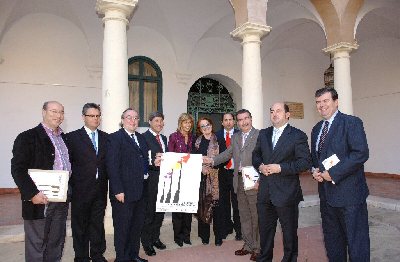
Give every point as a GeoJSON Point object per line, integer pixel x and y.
{"type": "Point", "coordinates": [375, 74]}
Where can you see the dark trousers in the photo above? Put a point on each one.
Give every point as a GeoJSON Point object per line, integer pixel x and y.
{"type": "Point", "coordinates": [128, 219]}
{"type": "Point", "coordinates": [87, 224]}
{"type": "Point", "coordinates": [153, 220]}
{"type": "Point", "coordinates": [268, 215]}
{"type": "Point", "coordinates": [217, 218]}
{"type": "Point", "coordinates": [346, 229]}
{"type": "Point", "coordinates": [228, 203]}
{"type": "Point", "coordinates": [182, 225]}
{"type": "Point", "coordinates": [45, 238]}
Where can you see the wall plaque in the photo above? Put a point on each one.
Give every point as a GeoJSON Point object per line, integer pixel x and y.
{"type": "Point", "coordinates": [296, 110]}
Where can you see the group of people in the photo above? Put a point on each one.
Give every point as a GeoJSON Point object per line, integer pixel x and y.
{"type": "Point", "coordinates": [130, 161]}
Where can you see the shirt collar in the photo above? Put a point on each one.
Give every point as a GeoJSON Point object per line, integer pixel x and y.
{"type": "Point", "coordinates": [154, 133]}
{"type": "Point", "coordinates": [230, 132]}
{"type": "Point", "coordinates": [48, 130]}
{"type": "Point", "coordinates": [330, 120]}
{"type": "Point", "coordinates": [88, 131]}
{"type": "Point", "coordinates": [129, 133]}
{"type": "Point", "coordinates": [280, 129]}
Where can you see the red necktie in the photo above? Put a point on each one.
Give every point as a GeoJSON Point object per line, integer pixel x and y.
{"type": "Point", "coordinates": [158, 140]}
{"type": "Point", "coordinates": [228, 144]}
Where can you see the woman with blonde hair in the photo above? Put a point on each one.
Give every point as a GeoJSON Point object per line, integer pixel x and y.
{"type": "Point", "coordinates": [181, 141]}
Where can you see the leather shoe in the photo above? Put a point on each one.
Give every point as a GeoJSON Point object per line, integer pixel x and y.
{"type": "Point", "coordinates": [160, 245]}
{"type": "Point", "coordinates": [238, 237]}
{"type": "Point", "coordinates": [254, 256]}
{"type": "Point", "coordinates": [139, 259]}
{"type": "Point", "coordinates": [218, 242]}
{"type": "Point", "coordinates": [179, 243]}
{"type": "Point", "coordinates": [205, 241]}
{"type": "Point", "coordinates": [149, 250]}
{"type": "Point", "coordinates": [242, 252]}
{"type": "Point", "coordinates": [187, 242]}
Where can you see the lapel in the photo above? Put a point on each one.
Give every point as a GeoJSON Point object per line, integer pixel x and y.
{"type": "Point", "coordinates": [102, 142]}
{"type": "Point", "coordinates": [283, 140]}
{"type": "Point", "coordinates": [248, 139]}
{"type": "Point", "coordinates": [86, 139]}
{"type": "Point", "coordinates": [129, 140]}
{"type": "Point", "coordinates": [332, 130]}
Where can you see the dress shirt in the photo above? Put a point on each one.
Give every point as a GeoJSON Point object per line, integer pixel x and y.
{"type": "Point", "coordinates": [330, 120]}
{"type": "Point", "coordinates": [277, 134]}
{"type": "Point", "coordinates": [137, 143]}
{"type": "Point", "coordinates": [96, 138]}
{"type": "Point", "coordinates": [161, 140]}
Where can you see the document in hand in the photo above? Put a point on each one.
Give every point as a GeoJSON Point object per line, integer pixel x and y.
{"type": "Point", "coordinates": [250, 177]}
{"type": "Point", "coordinates": [53, 183]}
{"type": "Point", "coordinates": [330, 162]}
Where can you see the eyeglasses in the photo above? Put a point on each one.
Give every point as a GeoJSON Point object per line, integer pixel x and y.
{"type": "Point", "coordinates": [205, 126]}
{"type": "Point", "coordinates": [93, 116]}
{"type": "Point", "coordinates": [132, 118]}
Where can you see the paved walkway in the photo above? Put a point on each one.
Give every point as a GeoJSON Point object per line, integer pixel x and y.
{"type": "Point", "coordinates": [384, 221]}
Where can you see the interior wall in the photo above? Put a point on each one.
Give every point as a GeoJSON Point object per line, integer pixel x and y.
{"type": "Point", "coordinates": [45, 58]}
{"type": "Point", "coordinates": [375, 75]}
{"type": "Point", "coordinates": [293, 75]}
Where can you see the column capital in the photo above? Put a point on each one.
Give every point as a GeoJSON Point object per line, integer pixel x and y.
{"type": "Point", "coordinates": [341, 47]}
{"type": "Point", "coordinates": [116, 9]}
{"type": "Point", "coordinates": [251, 31]}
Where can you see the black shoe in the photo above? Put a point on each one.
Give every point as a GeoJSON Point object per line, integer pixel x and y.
{"type": "Point", "coordinates": [160, 245]}
{"type": "Point", "coordinates": [238, 237]}
{"type": "Point", "coordinates": [187, 242]}
{"type": "Point", "coordinates": [205, 241]}
{"type": "Point", "coordinates": [139, 259]}
{"type": "Point", "coordinates": [179, 242]}
{"type": "Point", "coordinates": [149, 250]}
{"type": "Point", "coordinates": [218, 242]}
{"type": "Point", "coordinates": [100, 259]}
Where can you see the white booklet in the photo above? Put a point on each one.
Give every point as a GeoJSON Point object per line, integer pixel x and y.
{"type": "Point", "coordinates": [53, 183]}
{"type": "Point", "coordinates": [330, 162]}
{"type": "Point", "coordinates": [250, 177]}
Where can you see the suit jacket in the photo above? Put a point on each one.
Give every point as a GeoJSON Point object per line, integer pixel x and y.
{"type": "Point", "coordinates": [222, 142]}
{"type": "Point", "coordinates": [346, 138]}
{"type": "Point", "coordinates": [155, 148]}
{"type": "Point", "coordinates": [32, 149]}
{"type": "Point", "coordinates": [293, 154]}
{"type": "Point", "coordinates": [126, 164]}
{"type": "Point", "coordinates": [239, 154]}
{"type": "Point", "coordinates": [85, 164]}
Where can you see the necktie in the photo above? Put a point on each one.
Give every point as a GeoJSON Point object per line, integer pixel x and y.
{"type": "Point", "coordinates": [94, 141]}
{"type": "Point", "coordinates": [158, 140]}
{"type": "Point", "coordinates": [228, 144]}
{"type": "Point", "coordinates": [322, 138]}
{"type": "Point", "coordinates": [135, 140]}
{"type": "Point", "coordinates": [244, 137]}
{"type": "Point", "coordinates": [275, 137]}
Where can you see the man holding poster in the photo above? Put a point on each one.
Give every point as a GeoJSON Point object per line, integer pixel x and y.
{"type": "Point", "coordinates": [42, 147]}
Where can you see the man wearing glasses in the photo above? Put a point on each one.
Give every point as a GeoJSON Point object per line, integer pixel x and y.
{"type": "Point", "coordinates": [42, 147]}
{"type": "Point", "coordinates": [87, 151]}
{"type": "Point", "coordinates": [127, 165]}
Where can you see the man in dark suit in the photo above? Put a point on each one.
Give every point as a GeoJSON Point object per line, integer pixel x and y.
{"type": "Point", "coordinates": [42, 147]}
{"type": "Point", "coordinates": [225, 176]}
{"type": "Point", "coordinates": [157, 143]}
{"type": "Point", "coordinates": [281, 153]}
{"type": "Point", "coordinates": [87, 151]}
{"type": "Point", "coordinates": [127, 164]}
{"type": "Point", "coordinates": [342, 188]}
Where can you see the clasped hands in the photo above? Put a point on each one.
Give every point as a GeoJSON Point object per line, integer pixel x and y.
{"type": "Point", "coordinates": [269, 169]}
{"type": "Point", "coordinates": [321, 176]}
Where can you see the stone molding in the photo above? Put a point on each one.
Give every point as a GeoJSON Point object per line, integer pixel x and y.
{"type": "Point", "coordinates": [251, 32]}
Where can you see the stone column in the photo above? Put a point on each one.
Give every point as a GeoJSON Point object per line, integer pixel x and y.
{"type": "Point", "coordinates": [341, 60]}
{"type": "Point", "coordinates": [252, 95]}
{"type": "Point", "coordinates": [115, 93]}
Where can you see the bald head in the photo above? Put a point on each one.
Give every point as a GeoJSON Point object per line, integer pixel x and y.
{"type": "Point", "coordinates": [279, 114]}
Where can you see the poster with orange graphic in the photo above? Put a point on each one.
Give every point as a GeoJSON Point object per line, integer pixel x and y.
{"type": "Point", "coordinates": [178, 186]}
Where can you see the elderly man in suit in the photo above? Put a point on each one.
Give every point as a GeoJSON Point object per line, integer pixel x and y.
{"type": "Point", "coordinates": [342, 187]}
{"type": "Point", "coordinates": [227, 196]}
{"type": "Point", "coordinates": [281, 153]}
{"type": "Point", "coordinates": [42, 147]}
{"type": "Point", "coordinates": [89, 183]}
{"type": "Point", "coordinates": [127, 164]}
{"type": "Point", "coordinates": [157, 144]}
{"type": "Point", "coordinates": [241, 149]}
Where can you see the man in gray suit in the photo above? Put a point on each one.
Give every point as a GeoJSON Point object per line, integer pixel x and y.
{"type": "Point", "coordinates": [241, 149]}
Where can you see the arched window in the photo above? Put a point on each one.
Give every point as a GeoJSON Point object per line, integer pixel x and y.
{"type": "Point", "coordinates": [145, 87]}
